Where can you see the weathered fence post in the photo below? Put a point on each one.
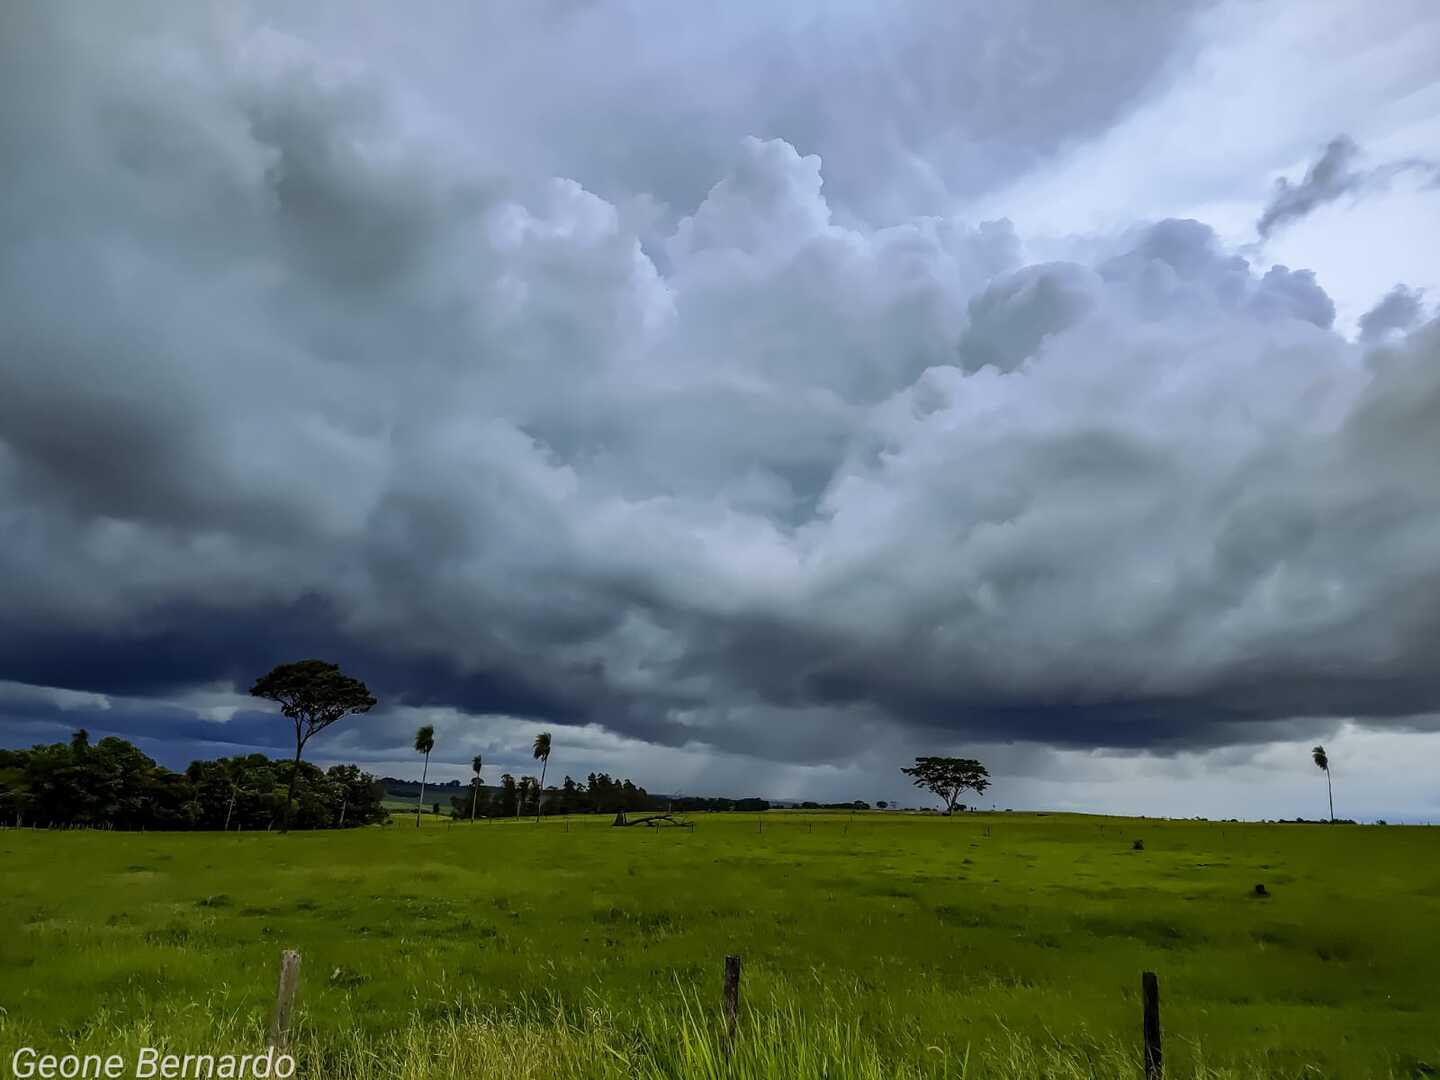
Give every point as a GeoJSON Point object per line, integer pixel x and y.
{"type": "Point", "coordinates": [1150, 988]}
{"type": "Point", "coordinates": [285, 998]}
{"type": "Point", "coordinates": [732, 1000]}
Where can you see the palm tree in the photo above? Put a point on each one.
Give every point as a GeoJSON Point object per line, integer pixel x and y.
{"type": "Point", "coordinates": [424, 743]}
{"type": "Point", "coordinates": [541, 751]}
{"type": "Point", "coordinates": [476, 763]}
{"type": "Point", "coordinates": [1323, 761]}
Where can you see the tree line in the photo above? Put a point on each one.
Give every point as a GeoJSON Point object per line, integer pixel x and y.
{"type": "Point", "coordinates": [113, 784]}
{"type": "Point", "coordinates": [598, 794]}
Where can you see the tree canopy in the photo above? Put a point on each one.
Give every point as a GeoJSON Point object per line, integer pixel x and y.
{"type": "Point", "coordinates": [948, 778]}
{"type": "Point", "coordinates": [314, 694]}
{"type": "Point", "coordinates": [112, 784]}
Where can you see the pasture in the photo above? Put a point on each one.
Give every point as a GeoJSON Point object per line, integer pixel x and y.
{"type": "Point", "coordinates": [916, 939]}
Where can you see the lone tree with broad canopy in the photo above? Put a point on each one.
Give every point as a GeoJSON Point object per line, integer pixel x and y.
{"type": "Point", "coordinates": [949, 777]}
{"type": "Point", "coordinates": [314, 695]}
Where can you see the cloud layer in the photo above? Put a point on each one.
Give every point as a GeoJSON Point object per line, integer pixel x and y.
{"type": "Point", "coordinates": [286, 373]}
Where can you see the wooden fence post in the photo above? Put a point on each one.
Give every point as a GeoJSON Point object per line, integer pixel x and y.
{"type": "Point", "coordinates": [285, 998]}
{"type": "Point", "coordinates": [1150, 988]}
{"type": "Point", "coordinates": [732, 1000]}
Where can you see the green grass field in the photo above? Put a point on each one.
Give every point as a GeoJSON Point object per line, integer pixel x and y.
{"type": "Point", "coordinates": [904, 941]}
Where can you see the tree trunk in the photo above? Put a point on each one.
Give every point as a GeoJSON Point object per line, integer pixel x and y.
{"type": "Point", "coordinates": [294, 775]}
{"type": "Point", "coordinates": [1331, 792]}
{"type": "Point", "coordinates": [229, 809]}
{"type": "Point", "coordinates": [423, 774]}
{"type": "Point", "coordinates": [540, 792]}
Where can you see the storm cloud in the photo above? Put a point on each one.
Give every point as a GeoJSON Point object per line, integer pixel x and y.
{"type": "Point", "coordinates": [1332, 176]}
{"type": "Point", "coordinates": [1398, 310]}
{"type": "Point", "coordinates": [779, 473]}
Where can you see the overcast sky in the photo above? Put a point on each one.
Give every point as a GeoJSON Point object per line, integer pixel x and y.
{"type": "Point", "coordinates": [753, 395]}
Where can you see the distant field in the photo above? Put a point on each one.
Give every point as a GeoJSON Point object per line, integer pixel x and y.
{"type": "Point", "coordinates": [396, 802]}
{"type": "Point", "coordinates": [927, 934]}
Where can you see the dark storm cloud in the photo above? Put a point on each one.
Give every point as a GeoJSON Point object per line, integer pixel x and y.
{"type": "Point", "coordinates": [162, 649]}
{"type": "Point", "coordinates": [1330, 177]}
{"type": "Point", "coordinates": [246, 732]}
{"type": "Point", "coordinates": [176, 735]}
{"type": "Point", "coordinates": [1398, 310]}
{"type": "Point", "coordinates": [1333, 176]}
{"type": "Point", "coordinates": [284, 376]}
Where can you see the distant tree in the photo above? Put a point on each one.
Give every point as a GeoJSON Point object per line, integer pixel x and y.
{"type": "Point", "coordinates": [1322, 761]}
{"type": "Point", "coordinates": [599, 792]}
{"type": "Point", "coordinates": [948, 778]}
{"type": "Point", "coordinates": [529, 795]}
{"type": "Point", "coordinates": [882, 804]}
{"type": "Point", "coordinates": [476, 764]}
{"type": "Point", "coordinates": [230, 775]}
{"type": "Point", "coordinates": [361, 799]}
{"type": "Point", "coordinates": [630, 797]}
{"type": "Point", "coordinates": [508, 801]}
{"type": "Point", "coordinates": [218, 786]}
{"type": "Point", "coordinates": [424, 743]}
{"type": "Point", "coordinates": [314, 695]}
{"type": "Point", "coordinates": [541, 750]}
{"type": "Point", "coordinates": [15, 794]}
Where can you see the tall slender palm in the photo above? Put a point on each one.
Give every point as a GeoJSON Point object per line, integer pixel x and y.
{"type": "Point", "coordinates": [424, 743]}
{"type": "Point", "coordinates": [541, 751]}
{"type": "Point", "coordinates": [1323, 762]}
{"type": "Point", "coordinates": [476, 763]}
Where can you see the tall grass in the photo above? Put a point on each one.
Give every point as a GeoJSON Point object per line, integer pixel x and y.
{"type": "Point", "coordinates": [1016, 940]}
{"type": "Point", "coordinates": [677, 1039]}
